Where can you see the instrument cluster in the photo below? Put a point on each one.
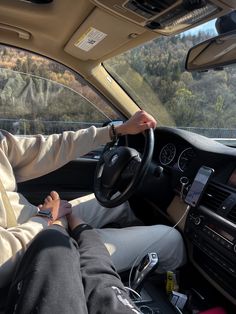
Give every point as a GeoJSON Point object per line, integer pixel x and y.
{"type": "Point", "coordinates": [170, 155]}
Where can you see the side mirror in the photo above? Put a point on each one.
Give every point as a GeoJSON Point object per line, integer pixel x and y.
{"type": "Point", "coordinates": [115, 122]}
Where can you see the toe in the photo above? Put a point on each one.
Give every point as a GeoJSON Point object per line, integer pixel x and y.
{"type": "Point", "coordinates": [55, 195]}
{"type": "Point", "coordinates": [48, 199]}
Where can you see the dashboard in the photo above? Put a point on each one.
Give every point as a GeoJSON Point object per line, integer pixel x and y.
{"type": "Point", "coordinates": [209, 229]}
{"type": "Point", "coordinates": [182, 153]}
{"type": "Point", "coordinates": [169, 155]}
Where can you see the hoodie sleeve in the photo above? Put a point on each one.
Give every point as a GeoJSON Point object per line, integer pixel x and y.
{"type": "Point", "coordinates": [13, 243]}
{"type": "Point", "coordinates": [31, 157]}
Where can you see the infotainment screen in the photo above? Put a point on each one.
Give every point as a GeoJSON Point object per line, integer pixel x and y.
{"type": "Point", "coordinates": [232, 179]}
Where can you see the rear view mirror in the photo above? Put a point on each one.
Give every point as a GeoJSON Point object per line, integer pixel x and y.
{"type": "Point", "coordinates": [213, 53]}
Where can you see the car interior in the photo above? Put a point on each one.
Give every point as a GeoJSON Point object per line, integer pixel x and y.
{"type": "Point", "coordinates": [183, 177]}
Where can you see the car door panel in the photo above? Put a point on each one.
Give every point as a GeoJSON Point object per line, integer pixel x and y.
{"type": "Point", "coordinates": [73, 180]}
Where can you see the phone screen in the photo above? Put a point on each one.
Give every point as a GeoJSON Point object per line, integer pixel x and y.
{"type": "Point", "coordinates": [198, 186]}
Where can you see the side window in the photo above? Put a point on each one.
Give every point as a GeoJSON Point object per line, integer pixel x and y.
{"type": "Point", "coordinates": [38, 95]}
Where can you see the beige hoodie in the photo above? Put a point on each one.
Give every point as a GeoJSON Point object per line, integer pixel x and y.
{"type": "Point", "coordinates": [22, 159]}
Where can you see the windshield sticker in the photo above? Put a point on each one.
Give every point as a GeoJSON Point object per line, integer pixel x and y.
{"type": "Point", "coordinates": [90, 39]}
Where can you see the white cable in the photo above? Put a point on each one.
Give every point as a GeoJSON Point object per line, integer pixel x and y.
{"type": "Point", "coordinates": [178, 309]}
{"type": "Point", "coordinates": [135, 292]}
{"type": "Point", "coordinates": [164, 235]}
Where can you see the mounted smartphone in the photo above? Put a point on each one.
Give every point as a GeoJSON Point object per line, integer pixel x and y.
{"type": "Point", "coordinates": [198, 186]}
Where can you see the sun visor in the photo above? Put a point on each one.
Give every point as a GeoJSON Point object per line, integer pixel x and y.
{"type": "Point", "coordinates": [100, 35]}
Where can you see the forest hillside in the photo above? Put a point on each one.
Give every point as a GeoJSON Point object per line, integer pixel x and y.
{"type": "Point", "coordinates": [153, 74]}
{"type": "Point", "coordinates": [176, 97]}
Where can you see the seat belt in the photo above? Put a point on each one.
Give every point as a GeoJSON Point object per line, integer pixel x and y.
{"type": "Point", "coordinates": [10, 215]}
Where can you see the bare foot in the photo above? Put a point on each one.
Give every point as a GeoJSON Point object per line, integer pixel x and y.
{"type": "Point", "coordinates": [58, 207]}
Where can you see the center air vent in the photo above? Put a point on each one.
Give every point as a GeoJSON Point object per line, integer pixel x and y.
{"type": "Point", "coordinates": [214, 197]}
{"type": "Point", "coordinates": [232, 215]}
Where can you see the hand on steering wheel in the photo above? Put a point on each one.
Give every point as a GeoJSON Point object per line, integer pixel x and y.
{"type": "Point", "coordinates": [120, 170]}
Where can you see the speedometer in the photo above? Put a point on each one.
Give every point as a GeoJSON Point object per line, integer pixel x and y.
{"type": "Point", "coordinates": [167, 154]}
{"type": "Point", "coordinates": [185, 158]}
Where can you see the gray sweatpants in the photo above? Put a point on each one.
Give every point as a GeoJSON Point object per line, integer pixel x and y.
{"type": "Point", "coordinates": [58, 274]}
{"type": "Point", "coordinates": [128, 245]}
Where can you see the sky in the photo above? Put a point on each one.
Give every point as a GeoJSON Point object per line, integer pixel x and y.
{"type": "Point", "coordinates": [209, 26]}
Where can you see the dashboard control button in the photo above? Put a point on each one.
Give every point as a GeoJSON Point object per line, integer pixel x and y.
{"type": "Point", "coordinates": [197, 221]}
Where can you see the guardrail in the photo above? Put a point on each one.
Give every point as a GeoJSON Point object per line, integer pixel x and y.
{"type": "Point", "coordinates": [29, 127]}
{"type": "Point", "coordinates": [216, 133]}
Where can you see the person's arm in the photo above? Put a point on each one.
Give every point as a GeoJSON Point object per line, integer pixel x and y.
{"type": "Point", "coordinates": [31, 157]}
{"type": "Point", "coordinates": [15, 240]}
{"type": "Point", "coordinates": [13, 243]}
{"type": "Point", "coordinates": [104, 291]}
{"type": "Point", "coordinates": [139, 122]}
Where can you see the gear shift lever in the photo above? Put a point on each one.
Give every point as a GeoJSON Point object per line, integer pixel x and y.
{"type": "Point", "coordinates": [147, 265]}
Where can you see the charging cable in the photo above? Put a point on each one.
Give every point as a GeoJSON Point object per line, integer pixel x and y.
{"type": "Point", "coordinates": [134, 292]}
{"type": "Point", "coordinates": [164, 235]}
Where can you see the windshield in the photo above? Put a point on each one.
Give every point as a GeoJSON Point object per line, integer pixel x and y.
{"type": "Point", "coordinates": [155, 77]}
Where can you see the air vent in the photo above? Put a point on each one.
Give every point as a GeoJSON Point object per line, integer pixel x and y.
{"type": "Point", "coordinates": [232, 215]}
{"type": "Point", "coordinates": [214, 197]}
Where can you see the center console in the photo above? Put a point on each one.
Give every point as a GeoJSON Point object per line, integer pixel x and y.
{"type": "Point", "coordinates": [154, 300]}
{"type": "Point", "coordinates": [212, 248]}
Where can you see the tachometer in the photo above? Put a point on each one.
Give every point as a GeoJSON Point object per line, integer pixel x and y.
{"type": "Point", "coordinates": [167, 154]}
{"type": "Point", "coordinates": [185, 158]}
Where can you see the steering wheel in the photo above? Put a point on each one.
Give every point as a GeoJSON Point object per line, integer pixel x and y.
{"type": "Point", "coordinates": [120, 170]}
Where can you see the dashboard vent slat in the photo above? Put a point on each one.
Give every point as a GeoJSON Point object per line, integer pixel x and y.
{"type": "Point", "coordinates": [214, 197]}
{"type": "Point", "coordinates": [232, 215]}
